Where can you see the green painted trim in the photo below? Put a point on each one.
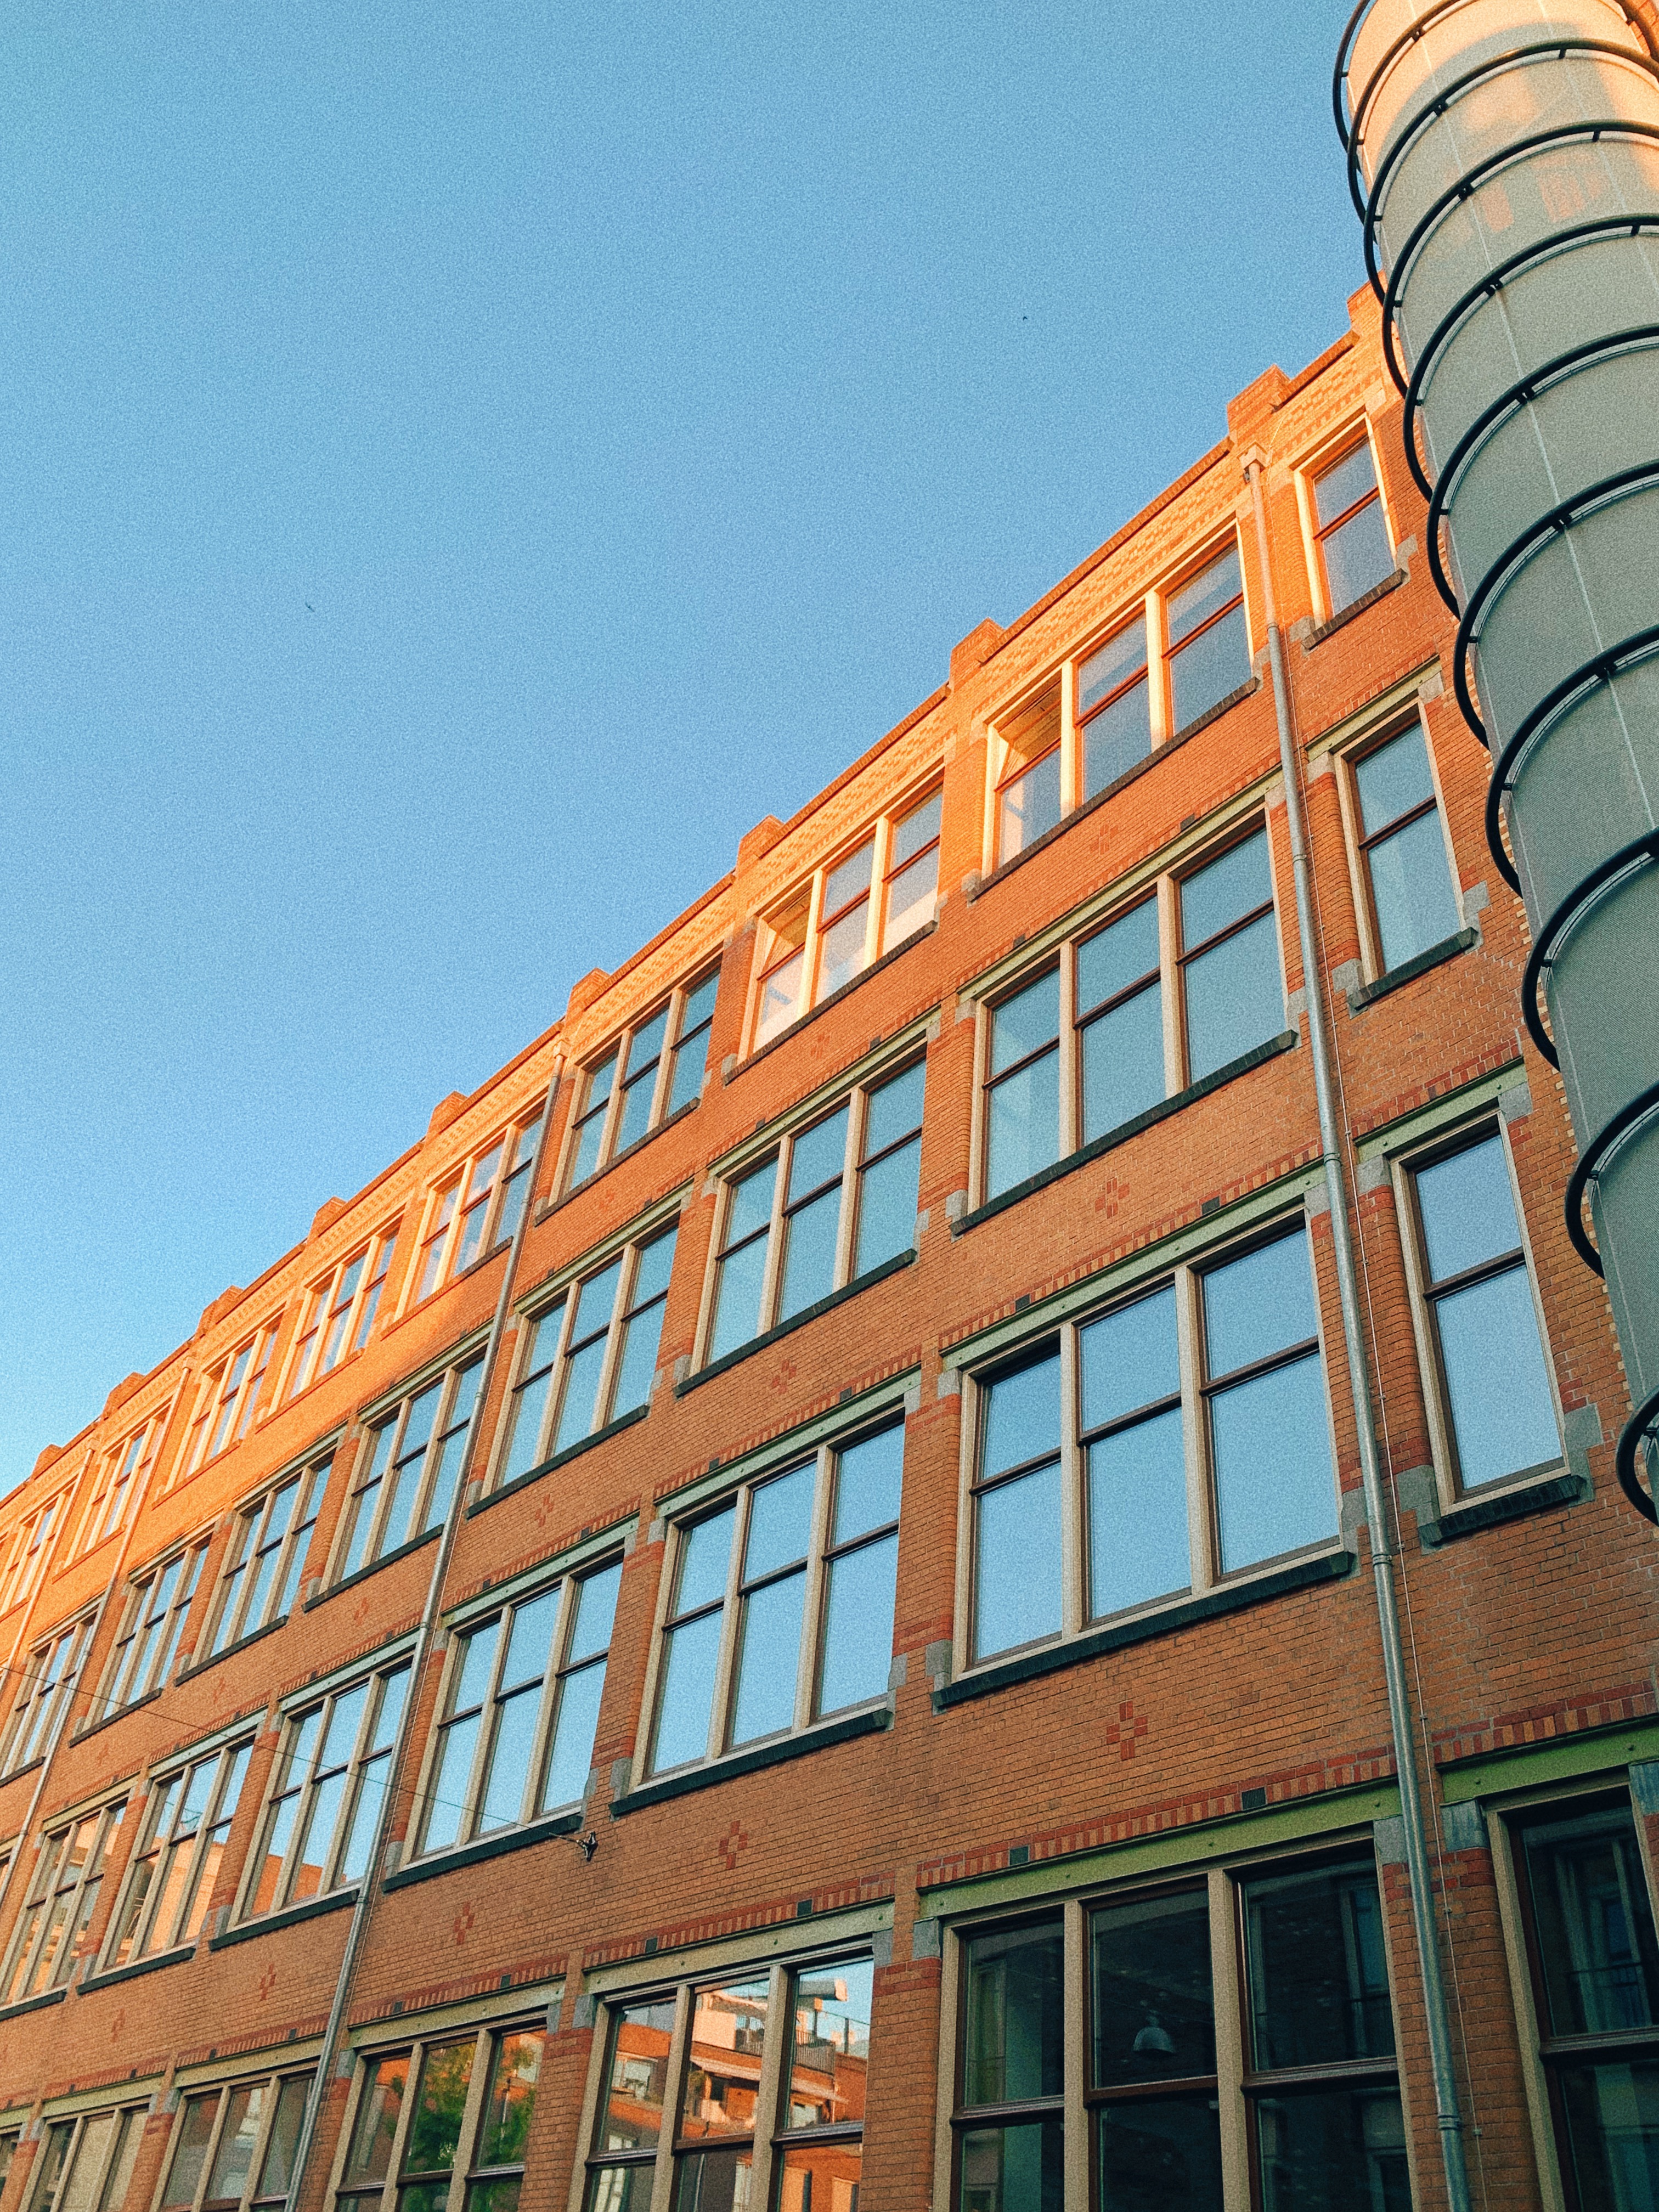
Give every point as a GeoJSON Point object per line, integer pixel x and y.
{"type": "Point", "coordinates": [1197, 1844]}
{"type": "Point", "coordinates": [366, 1663]}
{"type": "Point", "coordinates": [1407, 1129]}
{"type": "Point", "coordinates": [868, 1068]}
{"type": "Point", "coordinates": [457, 1356]}
{"type": "Point", "coordinates": [787, 1939]}
{"type": "Point", "coordinates": [1594, 1751]}
{"type": "Point", "coordinates": [553, 1569]}
{"type": "Point", "coordinates": [540, 1300]}
{"type": "Point", "coordinates": [887, 1395]}
{"type": "Point", "coordinates": [1148, 1260]}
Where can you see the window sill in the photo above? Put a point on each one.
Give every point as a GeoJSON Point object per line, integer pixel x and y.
{"type": "Point", "coordinates": [174, 1958]}
{"type": "Point", "coordinates": [136, 1705]}
{"type": "Point", "coordinates": [363, 1574]}
{"type": "Point", "coordinates": [559, 1459]}
{"type": "Point", "coordinates": [18, 1772]}
{"type": "Point", "coordinates": [874, 1722]}
{"type": "Point", "coordinates": [796, 1320]}
{"type": "Point", "coordinates": [1389, 583]}
{"type": "Point", "coordinates": [550, 1207]}
{"type": "Point", "coordinates": [272, 1924]}
{"type": "Point", "coordinates": [487, 1847]}
{"type": "Point", "coordinates": [1167, 1620]}
{"type": "Point", "coordinates": [1543, 1493]}
{"type": "Point", "coordinates": [1365, 995]}
{"type": "Point", "coordinates": [33, 2004]}
{"type": "Point", "coordinates": [1256, 1057]}
{"type": "Point", "coordinates": [803, 1021]}
{"type": "Point", "coordinates": [242, 1644]}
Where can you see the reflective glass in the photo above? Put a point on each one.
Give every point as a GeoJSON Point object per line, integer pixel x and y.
{"type": "Point", "coordinates": [234, 2157]}
{"type": "Point", "coordinates": [867, 1485]}
{"type": "Point", "coordinates": [887, 1207]}
{"type": "Point", "coordinates": [780, 1524]}
{"type": "Point", "coordinates": [858, 1632]}
{"type": "Point", "coordinates": [1203, 673]}
{"type": "Point", "coordinates": [1317, 1970]}
{"type": "Point", "coordinates": [596, 1609]}
{"type": "Point", "coordinates": [1021, 2168]}
{"type": "Point", "coordinates": [737, 1297]}
{"type": "Point", "coordinates": [1611, 2112]}
{"type": "Point", "coordinates": [691, 1656]}
{"type": "Point", "coordinates": [722, 2074]}
{"type": "Point", "coordinates": [1162, 2155]}
{"type": "Point", "coordinates": [376, 2122]}
{"type": "Point", "coordinates": [1018, 1597]}
{"type": "Point", "coordinates": [510, 2100]}
{"type": "Point", "coordinates": [572, 1758]}
{"type": "Point", "coordinates": [767, 1658]}
{"type": "Point", "coordinates": [1259, 1303]}
{"type": "Point", "coordinates": [1593, 1923]}
{"type": "Point", "coordinates": [1020, 1024]}
{"type": "Point", "coordinates": [1393, 780]}
{"type": "Point", "coordinates": [1022, 1415]}
{"type": "Point", "coordinates": [1154, 2008]}
{"type": "Point", "coordinates": [1195, 602]}
{"type": "Point", "coordinates": [1275, 1484]}
{"type": "Point", "coordinates": [705, 1554]}
{"type": "Point", "coordinates": [276, 2166]}
{"type": "Point", "coordinates": [1030, 806]}
{"type": "Point", "coordinates": [1138, 1540]}
{"type": "Point", "coordinates": [1333, 2146]}
{"type": "Point", "coordinates": [1123, 953]}
{"type": "Point", "coordinates": [639, 2073]}
{"type": "Point", "coordinates": [1118, 737]}
{"type": "Point", "coordinates": [1123, 1057]}
{"type": "Point", "coordinates": [1496, 1383]}
{"type": "Point", "coordinates": [750, 1208]}
{"type": "Point", "coordinates": [808, 1254]}
{"type": "Point", "coordinates": [894, 1109]}
{"type": "Point", "coordinates": [1113, 663]}
{"type": "Point", "coordinates": [829, 2050]}
{"type": "Point", "coordinates": [912, 895]}
{"type": "Point", "coordinates": [1022, 1127]}
{"type": "Point", "coordinates": [824, 2177]}
{"type": "Point", "coordinates": [850, 879]}
{"type": "Point", "coordinates": [1468, 1209]}
{"type": "Point", "coordinates": [1217, 896]}
{"type": "Point", "coordinates": [1235, 999]}
{"type": "Point", "coordinates": [1358, 557]}
{"type": "Point", "coordinates": [195, 2131]}
{"type": "Point", "coordinates": [841, 949]}
{"type": "Point", "coordinates": [1130, 1359]}
{"type": "Point", "coordinates": [920, 827]}
{"type": "Point", "coordinates": [1015, 2017]}
{"type": "Point", "coordinates": [1337, 487]}
{"type": "Point", "coordinates": [440, 2100]}
{"type": "Point", "coordinates": [578, 1412]}
{"type": "Point", "coordinates": [1411, 892]}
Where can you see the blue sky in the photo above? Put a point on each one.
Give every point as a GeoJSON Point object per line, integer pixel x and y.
{"type": "Point", "coordinates": [463, 465]}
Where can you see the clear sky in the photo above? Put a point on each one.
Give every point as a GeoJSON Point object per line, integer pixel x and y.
{"type": "Point", "coordinates": [462, 466]}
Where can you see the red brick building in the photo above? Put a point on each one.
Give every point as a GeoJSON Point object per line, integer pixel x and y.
{"type": "Point", "coordinates": [781, 1611]}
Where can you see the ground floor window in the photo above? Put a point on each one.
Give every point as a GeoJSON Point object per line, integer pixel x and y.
{"type": "Point", "coordinates": [86, 2161]}
{"type": "Point", "coordinates": [1294, 2101]}
{"type": "Point", "coordinates": [442, 2125]}
{"type": "Point", "coordinates": [234, 2145]}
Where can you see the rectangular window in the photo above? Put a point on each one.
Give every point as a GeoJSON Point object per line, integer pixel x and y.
{"type": "Point", "coordinates": [1200, 1447]}
{"type": "Point", "coordinates": [30, 1549]}
{"type": "Point", "coordinates": [783, 1603]}
{"type": "Point", "coordinates": [158, 1605]}
{"type": "Point", "coordinates": [1114, 708]}
{"type": "Point", "coordinates": [85, 2164]}
{"type": "Point", "coordinates": [51, 1672]}
{"type": "Point", "coordinates": [1028, 795]}
{"type": "Point", "coordinates": [403, 1475]}
{"type": "Point", "coordinates": [1208, 653]}
{"type": "Point", "coordinates": [592, 1357]}
{"type": "Point", "coordinates": [1594, 1969]}
{"type": "Point", "coordinates": [478, 1211]}
{"type": "Point", "coordinates": [764, 2105]}
{"type": "Point", "coordinates": [459, 2138]}
{"type": "Point", "coordinates": [340, 1312]}
{"type": "Point", "coordinates": [123, 1473]}
{"type": "Point", "coordinates": [1040, 778]}
{"type": "Point", "coordinates": [1086, 1045]}
{"type": "Point", "coordinates": [1311, 2048]}
{"type": "Point", "coordinates": [176, 1859]}
{"type": "Point", "coordinates": [266, 1558]}
{"type": "Point", "coordinates": [836, 1201]}
{"type": "Point", "coordinates": [62, 1899]}
{"type": "Point", "coordinates": [331, 1774]}
{"type": "Point", "coordinates": [652, 1070]}
{"type": "Point", "coordinates": [232, 2147]}
{"type": "Point", "coordinates": [516, 1735]}
{"type": "Point", "coordinates": [1350, 527]}
{"type": "Point", "coordinates": [230, 1400]}
{"type": "Point", "coordinates": [851, 911]}
{"type": "Point", "coordinates": [1487, 1371]}
{"type": "Point", "coordinates": [1410, 897]}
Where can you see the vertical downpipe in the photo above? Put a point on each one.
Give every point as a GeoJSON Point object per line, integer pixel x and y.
{"type": "Point", "coordinates": [1384, 1551]}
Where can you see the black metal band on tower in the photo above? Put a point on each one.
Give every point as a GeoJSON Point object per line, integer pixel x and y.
{"type": "Point", "coordinates": [1504, 158]}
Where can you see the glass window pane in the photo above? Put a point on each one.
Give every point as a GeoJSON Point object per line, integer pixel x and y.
{"type": "Point", "coordinates": [1154, 2010]}
{"type": "Point", "coordinates": [1014, 2169]}
{"type": "Point", "coordinates": [1412, 891]}
{"type": "Point", "coordinates": [827, 2175]}
{"type": "Point", "coordinates": [510, 2100]}
{"type": "Point", "coordinates": [1234, 1000]}
{"type": "Point", "coordinates": [194, 2131]}
{"type": "Point", "coordinates": [1195, 602]}
{"type": "Point", "coordinates": [1130, 1359]}
{"type": "Point", "coordinates": [596, 1609]}
{"type": "Point", "coordinates": [722, 2074]}
{"type": "Point", "coordinates": [636, 1363]}
{"type": "Point", "coordinates": [750, 1208]}
{"type": "Point", "coordinates": [911, 898]}
{"type": "Point", "coordinates": [920, 827]}
{"type": "Point", "coordinates": [1137, 1541]}
{"type": "Point", "coordinates": [1258, 1305]}
{"type": "Point", "coordinates": [1123, 953]}
{"type": "Point", "coordinates": [1337, 487]}
{"type": "Point", "coordinates": [858, 1632]}
{"type": "Point", "coordinates": [636, 1117]}
{"type": "Point", "coordinates": [234, 2158]}
{"type": "Point", "coordinates": [639, 2073]}
{"type": "Point", "coordinates": [1497, 1384]}
{"type": "Point", "coordinates": [1163, 2153]}
{"type": "Point", "coordinates": [1204, 672]}
{"type": "Point", "coordinates": [894, 1110]}
{"type": "Point", "coordinates": [572, 1758]}
{"type": "Point", "coordinates": [1358, 557]}
{"type": "Point", "coordinates": [1118, 738]}
{"type": "Point", "coordinates": [840, 950]}
{"type": "Point", "coordinates": [277, 2168]}
{"type": "Point", "coordinates": [817, 1155]}
{"type": "Point", "coordinates": [1317, 1971]}
{"type": "Point", "coordinates": [887, 1207]}
{"type": "Point", "coordinates": [1022, 1024]}
{"type": "Point", "coordinates": [1018, 1596]}
{"type": "Point", "coordinates": [578, 1411]}
{"type": "Point", "coordinates": [1113, 663]}
{"type": "Point", "coordinates": [118, 2175]}
{"type": "Point", "coordinates": [509, 1762]}
{"type": "Point", "coordinates": [530, 1640]}
{"type": "Point", "coordinates": [1029, 807]}
{"type": "Point", "coordinates": [780, 1524]}
{"type": "Point", "coordinates": [1468, 1209]}
{"type": "Point", "coordinates": [1015, 2015]}
{"type": "Point", "coordinates": [780, 997]}
{"type": "Point", "coordinates": [1022, 1415]}
{"type": "Point", "coordinates": [1224, 892]}
{"type": "Point", "coordinates": [1122, 1060]}
{"type": "Point", "coordinates": [377, 2120]}
{"type": "Point", "coordinates": [867, 1484]}
{"type": "Point", "coordinates": [1393, 780]}
{"type": "Point", "coordinates": [1611, 2115]}
{"type": "Point", "coordinates": [445, 2071]}
{"type": "Point", "coordinates": [595, 1303]}
{"type": "Point", "coordinates": [705, 1554]}
{"type": "Point", "coordinates": [830, 2053]}
{"type": "Point", "coordinates": [1022, 1128]}
{"type": "Point", "coordinates": [1333, 2147]}
{"type": "Point", "coordinates": [1275, 1484]}
{"type": "Point", "coordinates": [1593, 1923]}
{"type": "Point", "coordinates": [737, 1297]}
{"type": "Point", "coordinates": [808, 1254]}
{"type": "Point", "coordinates": [850, 879]}
{"type": "Point", "coordinates": [690, 1655]}
{"type": "Point", "coordinates": [768, 1660]}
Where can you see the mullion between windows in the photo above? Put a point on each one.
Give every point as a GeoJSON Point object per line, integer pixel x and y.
{"type": "Point", "coordinates": [551, 1691]}
{"type": "Point", "coordinates": [720, 1704]}
{"type": "Point", "coordinates": [809, 1659]}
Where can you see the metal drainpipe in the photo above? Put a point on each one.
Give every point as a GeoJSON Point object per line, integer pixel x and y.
{"type": "Point", "coordinates": [1504, 158]}
{"type": "Point", "coordinates": [356, 1935]}
{"type": "Point", "coordinates": [1384, 1550]}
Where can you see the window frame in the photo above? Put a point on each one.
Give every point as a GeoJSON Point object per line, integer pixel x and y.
{"type": "Point", "coordinates": [451, 1201]}
{"type": "Point", "coordinates": [122, 1477]}
{"type": "Point", "coordinates": [31, 1547]}
{"type": "Point", "coordinates": [1404, 1165]}
{"type": "Point", "coordinates": [614, 1053]}
{"type": "Point", "coordinates": [228, 1402]}
{"type": "Point", "coordinates": [1347, 763]}
{"type": "Point", "coordinates": [488, 2035]}
{"type": "Point", "coordinates": [1329, 454]}
{"type": "Point", "coordinates": [28, 1942]}
{"type": "Point", "coordinates": [126, 2117]}
{"type": "Point", "coordinates": [1216, 549]}
{"type": "Point", "coordinates": [272, 2081]}
{"type": "Point", "coordinates": [325, 1319]}
{"type": "Point", "coordinates": [879, 832]}
{"type": "Point", "coordinates": [130, 1935]}
{"type": "Point", "coordinates": [449, 1375]}
{"type": "Point", "coordinates": [1186, 1276]}
{"type": "Point", "coordinates": [771, 2135]}
{"type": "Point", "coordinates": [1174, 958]}
{"type": "Point", "coordinates": [253, 1515]}
{"type": "Point", "coordinates": [117, 1689]}
{"type": "Point", "coordinates": [51, 1694]}
{"type": "Point", "coordinates": [779, 1148]}
{"type": "Point", "coordinates": [821, 1556]}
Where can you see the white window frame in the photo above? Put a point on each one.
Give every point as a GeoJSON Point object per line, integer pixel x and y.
{"type": "Point", "coordinates": [195, 1901]}
{"type": "Point", "coordinates": [28, 1941]}
{"type": "Point", "coordinates": [42, 1695]}
{"type": "Point", "coordinates": [252, 1514]}
{"type": "Point", "coordinates": [395, 1416]}
{"type": "Point", "coordinates": [128, 2128]}
{"type": "Point", "coordinates": [1345, 763]}
{"type": "Point", "coordinates": [121, 1685]}
{"type": "Point", "coordinates": [227, 1402]}
{"type": "Point", "coordinates": [614, 1052]}
{"type": "Point", "coordinates": [445, 1211]}
{"type": "Point", "coordinates": [1357, 430]}
{"type": "Point", "coordinates": [320, 1310]}
{"type": "Point", "coordinates": [30, 1548]}
{"type": "Point", "coordinates": [415, 2043]}
{"type": "Point", "coordinates": [122, 1477]}
{"type": "Point", "coordinates": [272, 2083]}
